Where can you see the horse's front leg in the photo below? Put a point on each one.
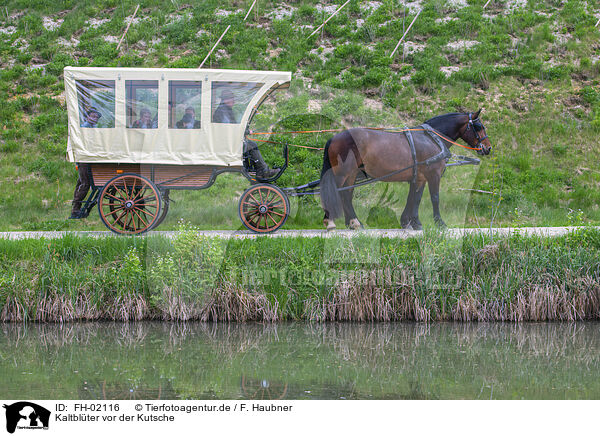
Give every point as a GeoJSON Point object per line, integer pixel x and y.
{"type": "Point", "coordinates": [410, 216]}
{"type": "Point", "coordinates": [434, 193]}
{"type": "Point", "coordinates": [405, 218]}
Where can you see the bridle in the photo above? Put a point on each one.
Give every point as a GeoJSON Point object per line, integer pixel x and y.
{"type": "Point", "coordinates": [471, 125]}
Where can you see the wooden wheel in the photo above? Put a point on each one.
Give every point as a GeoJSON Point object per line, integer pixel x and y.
{"type": "Point", "coordinates": [264, 208]}
{"type": "Point", "coordinates": [129, 204]}
{"type": "Point", "coordinates": [165, 208]}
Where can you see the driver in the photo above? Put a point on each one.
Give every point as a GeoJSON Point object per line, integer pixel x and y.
{"type": "Point", "coordinates": [83, 180]}
{"type": "Point", "coordinates": [224, 114]}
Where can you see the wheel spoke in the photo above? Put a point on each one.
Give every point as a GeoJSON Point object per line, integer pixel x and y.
{"type": "Point", "coordinates": [140, 192]}
{"type": "Point", "coordinates": [114, 211]}
{"type": "Point", "coordinates": [252, 202]}
{"type": "Point", "coordinates": [145, 211]}
{"type": "Point", "coordinates": [133, 221]}
{"type": "Point", "coordinates": [149, 198]}
{"type": "Point", "coordinates": [119, 217]}
{"type": "Point", "coordinates": [269, 215]}
{"type": "Point", "coordinates": [277, 213]}
{"type": "Point", "coordinates": [250, 194]}
{"type": "Point", "coordinates": [116, 198]}
{"type": "Point", "coordinates": [249, 215]}
{"type": "Point", "coordinates": [140, 218]}
{"type": "Point", "coordinates": [276, 204]}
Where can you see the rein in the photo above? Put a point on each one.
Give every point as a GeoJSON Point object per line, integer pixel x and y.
{"type": "Point", "coordinates": [370, 128]}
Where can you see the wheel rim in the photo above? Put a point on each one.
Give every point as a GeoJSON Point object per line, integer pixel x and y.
{"type": "Point", "coordinates": [129, 204]}
{"type": "Point", "coordinates": [263, 208]}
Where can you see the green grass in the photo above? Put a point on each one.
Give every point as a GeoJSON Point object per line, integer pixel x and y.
{"type": "Point", "coordinates": [534, 71]}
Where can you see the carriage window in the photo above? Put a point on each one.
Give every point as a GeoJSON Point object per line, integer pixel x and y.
{"type": "Point", "coordinates": [230, 100]}
{"type": "Point", "coordinates": [96, 100]}
{"type": "Point", "coordinates": [142, 104]}
{"type": "Point", "coordinates": [185, 103]}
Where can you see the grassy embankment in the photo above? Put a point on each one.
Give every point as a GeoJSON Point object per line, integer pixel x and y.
{"type": "Point", "coordinates": [533, 67]}
{"type": "Point", "coordinates": [192, 277]}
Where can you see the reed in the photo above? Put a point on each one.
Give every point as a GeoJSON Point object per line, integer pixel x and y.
{"type": "Point", "coordinates": [363, 279]}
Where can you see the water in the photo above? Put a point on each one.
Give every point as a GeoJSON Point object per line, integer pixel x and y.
{"type": "Point", "coordinates": [300, 361]}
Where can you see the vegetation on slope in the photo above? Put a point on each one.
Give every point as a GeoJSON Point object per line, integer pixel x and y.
{"type": "Point", "coordinates": [533, 67]}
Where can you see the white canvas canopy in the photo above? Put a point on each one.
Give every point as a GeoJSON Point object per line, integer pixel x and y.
{"type": "Point", "coordinates": [162, 115]}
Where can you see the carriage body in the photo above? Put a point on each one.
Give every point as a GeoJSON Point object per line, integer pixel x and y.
{"type": "Point", "coordinates": [145, 131]}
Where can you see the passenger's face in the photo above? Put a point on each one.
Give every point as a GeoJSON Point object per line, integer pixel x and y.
{"type": "Point", "coordinates": [93, 118]}
{"type": "Point", "coordinates": [229, 102]}
{"type": "Point", "coordinates": [190, 112]}
{"type": "Point", "coordinates": [145, 117]}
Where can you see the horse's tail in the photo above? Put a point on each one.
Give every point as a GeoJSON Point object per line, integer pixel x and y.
{"type": "Point", "coordinates": [330, 196]}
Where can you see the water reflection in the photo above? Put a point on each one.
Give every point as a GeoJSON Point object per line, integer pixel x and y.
{"type": "Point", "coordinates": [296, 361]}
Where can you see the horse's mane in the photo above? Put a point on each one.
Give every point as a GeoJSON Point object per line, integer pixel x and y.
{"type": "Point", "coordinates": [446, 124]}
{"type": "Point", "coordinates": [443, 117]}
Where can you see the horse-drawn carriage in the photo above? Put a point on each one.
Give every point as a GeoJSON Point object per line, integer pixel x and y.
{"type": "Point", "coordinates": [145, 131]}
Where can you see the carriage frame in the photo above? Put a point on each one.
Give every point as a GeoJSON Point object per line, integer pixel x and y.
{"type": "Point", "coordinates": [132, 170]}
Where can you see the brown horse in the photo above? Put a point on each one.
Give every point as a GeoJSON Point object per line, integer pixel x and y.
{"type": "Point", "coordinates": [389, 156]}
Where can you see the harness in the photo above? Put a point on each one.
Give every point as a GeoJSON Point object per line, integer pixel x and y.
{"type": "Point", "coordinates": [444, 154]}
{"type": "Point", "coordinates": [471, 125]}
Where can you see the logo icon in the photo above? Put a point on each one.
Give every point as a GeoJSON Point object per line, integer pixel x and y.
{"type": "Point", "coordinates": [26, 415]}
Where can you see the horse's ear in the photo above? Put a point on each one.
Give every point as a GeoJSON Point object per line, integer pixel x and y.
{"type": "Point", "coordinates": [476, 114]}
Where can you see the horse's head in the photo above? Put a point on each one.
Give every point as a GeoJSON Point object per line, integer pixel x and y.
{"type": "Point", "coordinates": [473, 133]}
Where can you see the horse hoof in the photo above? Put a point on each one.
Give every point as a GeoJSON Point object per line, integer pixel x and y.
{"type": "Point", "coordinates": [330, 226]}
{"type": "Point", "coordinates": [441, 224]}
{"type": "Point", "coordinates": [407, 227]}
{"type": "Point", "coordinates": [355, 224]}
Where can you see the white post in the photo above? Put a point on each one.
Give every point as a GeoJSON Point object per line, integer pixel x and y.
{"type": "Point", "coordinates": [249, 10]}
{"type": "Point", "coordinates": [597, 23]}
{"type": "Point", "coordinates": [330, 17]}
{"type": "Point", "coordinates": [221, 37]}
{"type": "Point", "coordinates": [214, 46]}
{"type": "Point", "coordinates": [488, 2]}
{"type": "Point", "coordinates": [401, 39]}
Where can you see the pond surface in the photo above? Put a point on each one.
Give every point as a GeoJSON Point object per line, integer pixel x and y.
{"type": "Point", "coordinates": [300, 361]}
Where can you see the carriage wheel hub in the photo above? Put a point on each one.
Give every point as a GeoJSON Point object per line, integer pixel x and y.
{"type": "Point", "coordinates": [263, 209]}
{"type": "Point", "coordinates": [128, 204]}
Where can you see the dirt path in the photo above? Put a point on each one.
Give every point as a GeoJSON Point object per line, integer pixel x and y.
{"type": "Point", "coordinates": [227, 234]}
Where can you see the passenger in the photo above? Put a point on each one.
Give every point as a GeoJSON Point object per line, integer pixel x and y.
{"type": "Point", "coordinates": [189, 120]}
{"type": "Point", "coordinates": [224, 114]}
{"type": "Point", "coordinates": [145, 121]}
{"type": "Point", "coordinates": [91, 118]}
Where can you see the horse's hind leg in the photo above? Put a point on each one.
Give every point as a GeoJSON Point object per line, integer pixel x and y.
{"type": "Point", "coordinates": [349, 213]}
{"type": "Point", "coordinates": [434, 193]}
